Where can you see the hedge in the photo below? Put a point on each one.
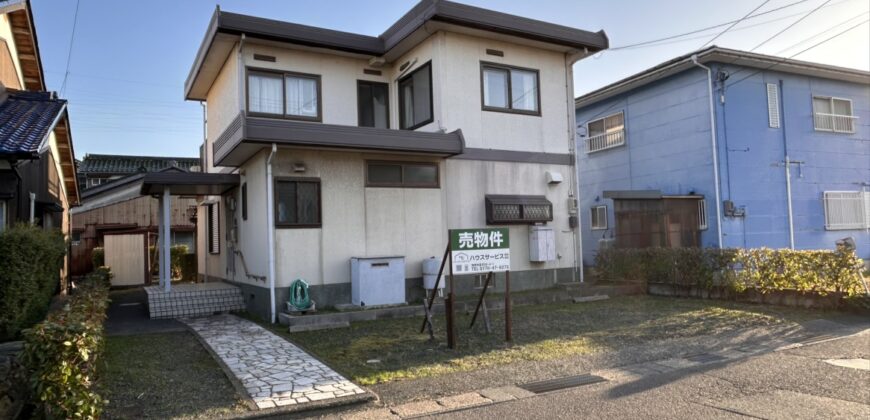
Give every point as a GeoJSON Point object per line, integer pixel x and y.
{"type": "Point", "coordinates": [61, 353]}
{"type": "Point", "coordinates": [176, 260]}
{"type": "Point", "coordinates": [98, 257]}
{"type": "Point", "coordinates": [32, 259]}
{"type": "Point", "coordinates": [763, 269]}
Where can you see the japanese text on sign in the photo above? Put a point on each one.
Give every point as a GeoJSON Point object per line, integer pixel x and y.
{"type": "Point", "coordinates": [480, 250]}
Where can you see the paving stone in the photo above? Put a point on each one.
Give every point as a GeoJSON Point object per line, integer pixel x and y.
{"type": "Point", "coordinates": [274, 371]}
{"type": "Point", "coordinates": [679, 363]}
{"type": "Point", "coordinates": [497, 394]}
{"type": "Point", "coordinates": [417, 408]}
{"type": "Point", "coordinates": [463, 400]}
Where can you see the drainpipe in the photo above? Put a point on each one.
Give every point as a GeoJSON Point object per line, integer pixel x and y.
{"type": "Point", "coordinates": [715, 149]}
{"type": "Point", "coordinates": [270, 230]}
{"type": "Point", "coordinates": [32, 208]}
{"type": "Point", "coordinates": [577, 233]}
{"type": "Point", "coordinates": [788, 163]}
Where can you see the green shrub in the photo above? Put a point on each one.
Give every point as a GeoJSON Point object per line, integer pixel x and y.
{"type": "Point", "coordinates": [817, 271]}
{"type": "Point", "coordinates": [188, 267]}
{"type": "Point", "coordinates": [176, 260]}
{"type": "Point", "coordinates": [61, 353]}
{"type": "Point", "coordinates": [30, 266]}
{"type": "Point", "coordinates": [98, 257]}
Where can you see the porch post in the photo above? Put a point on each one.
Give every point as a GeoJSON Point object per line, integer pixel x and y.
{"type": "Point", "coordinates": [165, 238]}
{"type": "Point", "coordinates": [159, 242]}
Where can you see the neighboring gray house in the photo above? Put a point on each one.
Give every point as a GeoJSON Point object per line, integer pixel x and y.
{"type": "Point", "coordinates": [776, 155]}
{"type": "Point", "coordinates": [345, 145]}
{"type": "Point", "coordinates": [95, 170]}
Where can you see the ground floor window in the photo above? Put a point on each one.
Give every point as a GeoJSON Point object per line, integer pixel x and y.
{"type": "Point", "coordinates": [846, 210]}
{"type": "Point", "coordinates": [297, 202]}
{"type": "Point", "coordinates": [402, 174]}
{"type": "Point", "coordinates": [599, 218]}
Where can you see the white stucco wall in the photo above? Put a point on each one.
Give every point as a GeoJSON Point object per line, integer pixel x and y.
{"type": "Point", "coordinates": [224, 102]}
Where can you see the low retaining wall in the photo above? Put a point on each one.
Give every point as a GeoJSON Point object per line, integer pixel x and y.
{"type": "Point", "coordinates": [833, 300]}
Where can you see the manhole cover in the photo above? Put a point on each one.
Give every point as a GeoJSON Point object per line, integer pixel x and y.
{"type": "Point", "coordinates": [561, 383]}
{"type": "Point", "coordinates": [862, 364]}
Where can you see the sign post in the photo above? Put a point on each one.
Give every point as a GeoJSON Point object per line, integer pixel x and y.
{"type": "Point", "coordinates": [476, 251]}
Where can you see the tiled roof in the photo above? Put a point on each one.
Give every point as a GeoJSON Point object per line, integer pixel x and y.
{"type": "Point", "coordinates": [25, 119]}
{"type": "Point", "coordinates": [122, 164]}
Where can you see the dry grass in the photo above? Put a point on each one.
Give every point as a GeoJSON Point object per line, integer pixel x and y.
{"type": "Point", "coordinates": [542, 332]}
{"type": "Point", "coordinates": [162, 376]}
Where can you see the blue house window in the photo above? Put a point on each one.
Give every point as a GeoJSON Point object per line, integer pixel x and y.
{"type": "Point", "coordinates": [599, 218]}
{"type": "Point", "coordinates": [605, 133]}
{"type": "Point", "coordinates": [833, 114]}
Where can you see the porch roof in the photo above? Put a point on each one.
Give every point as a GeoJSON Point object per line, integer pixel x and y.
{"type": "Point", "coordinates": [188, 183]}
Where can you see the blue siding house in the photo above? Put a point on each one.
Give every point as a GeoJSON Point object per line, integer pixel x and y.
{"type": "Point", "coordinates": [725, 148]}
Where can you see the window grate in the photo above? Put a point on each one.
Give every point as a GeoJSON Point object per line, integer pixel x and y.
{"type": "Point", "coordinates": [846, 210]}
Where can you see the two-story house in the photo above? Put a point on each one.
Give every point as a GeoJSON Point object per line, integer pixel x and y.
{"type": "Point", "coordinates": [37, 164]}
{"type": "Point", "coordinates": [725, 148]}
{"type": "Point", "coordinates": [349, 145]}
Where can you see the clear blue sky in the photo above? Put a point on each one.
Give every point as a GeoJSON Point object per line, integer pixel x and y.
{"type": "Point", "coordinates": [130, 58]}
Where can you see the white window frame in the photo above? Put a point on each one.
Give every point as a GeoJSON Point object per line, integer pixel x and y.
{"type": "Point", "coordinates": [702, 215]}
{"type": "Point", "coordinates": [213, 229]}
{"type": "Point", "coordinates": [832, 115]}
{"type": "Point", "coordinates": [863, 220]}
{"type": "Point", "coordinates": [592, 211]}
{"type": "Point", "coordinates": [617, 141]}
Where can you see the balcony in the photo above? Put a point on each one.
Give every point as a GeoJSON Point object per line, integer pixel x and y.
{"type": "Point", "coordinates": [246, 135]}
{"type": "Point", "coordinates": [834, 122]}
{"type": "Point", "coordinates": [605, 141]}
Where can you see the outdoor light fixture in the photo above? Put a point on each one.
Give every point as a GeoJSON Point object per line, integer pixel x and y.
{"type": "Point", "coordinates": [299, 167]}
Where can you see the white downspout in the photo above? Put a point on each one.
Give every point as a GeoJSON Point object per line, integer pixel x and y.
{"type": "Point", "coordinates": [270, 230]}
{"type": "Point", "coordinates": [715, 148]}
{"type": "Point", "coordinates": [577, 233]}
{"type": "Point", "coordinates": [32, 208]}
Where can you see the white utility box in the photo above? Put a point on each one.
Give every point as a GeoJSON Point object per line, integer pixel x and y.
{"type": "Point", "coordinates": [377, 281]}
{"type": "Point", "coordinates": [542, 244]}
{"type": "Point", "coordinates": [430, 273]}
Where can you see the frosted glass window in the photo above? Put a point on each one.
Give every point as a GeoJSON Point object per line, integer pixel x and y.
{"type": "Point", "coordinates": [495, 87]}
{"type": "Point", "coordinates": [264, 94]}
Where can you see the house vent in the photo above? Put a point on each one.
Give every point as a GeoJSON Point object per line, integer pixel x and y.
{"type": "Point", "coordinates": [372, 72]}
{"type": "Point", "coordinates": [262, 57]}
{"type": "Point", "coordinates": [497, 53]}
{"type": "Point", "coordinates": [773, 105]}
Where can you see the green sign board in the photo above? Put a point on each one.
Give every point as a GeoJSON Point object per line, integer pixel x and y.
{"type": "Point", "coordinates": [480, 250]}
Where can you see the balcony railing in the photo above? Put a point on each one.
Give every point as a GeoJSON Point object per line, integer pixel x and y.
{"type": "Point", "coordinates": [834, 122]}
{"type": "Point", "coordinates": [605, 141]}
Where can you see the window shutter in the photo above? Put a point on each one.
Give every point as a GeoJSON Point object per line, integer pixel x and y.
{"type": "Point", "coordinates": [214, 229]}
{"type": "Point", "coordinates": [773, 105]}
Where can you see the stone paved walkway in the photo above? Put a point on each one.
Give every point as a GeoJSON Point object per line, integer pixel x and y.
{"type": "Point", "coordinates": [274, 372]}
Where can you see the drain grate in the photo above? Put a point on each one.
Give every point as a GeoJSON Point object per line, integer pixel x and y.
{"type": "Point", "coordinates": [551, 385]}
{"type": "Point", "coordinates": [706, 358]}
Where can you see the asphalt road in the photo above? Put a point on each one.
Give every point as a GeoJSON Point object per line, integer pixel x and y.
{"type": "Point", "coordinates": [788, 384]}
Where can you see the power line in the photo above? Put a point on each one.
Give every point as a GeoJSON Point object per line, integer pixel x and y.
{"type": "Point", "coordinates": [822, 32]}
{"type": "Point", "coordinates": [734, 24]}
{"type": "Point", "coordinates": [790, 26]}
{"type": "Point", "coordinates": [653, 41]}
{"type": "Point", "coordinates": [69, 52]}
{"type": "Point", "coordinates": [778, 62]}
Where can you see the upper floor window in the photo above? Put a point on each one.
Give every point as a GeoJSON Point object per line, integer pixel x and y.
{"type": "Point", "coordinates": [373, 104]}
{"type": "Point", "coordinates": [290, 95]}
{"type": "Point", "coordinates": [833, 114]}
{"type": "Point", "coordinates": [510, 89]}
{"type": "Point", "coordinates": [605, 133]}
{"type": "Point", "coordinates": [415, 98]}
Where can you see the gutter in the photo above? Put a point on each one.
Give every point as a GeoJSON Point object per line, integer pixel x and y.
{"type": "Point", "coordinates": [577, 232]}
{"type": "Point", "coordinates": [270, 230]}
{"type": "Point", "coordinates": [714, 148]}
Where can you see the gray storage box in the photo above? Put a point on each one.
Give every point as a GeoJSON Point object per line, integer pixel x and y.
{"type": "Point", "coordinates": [377, 281]}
